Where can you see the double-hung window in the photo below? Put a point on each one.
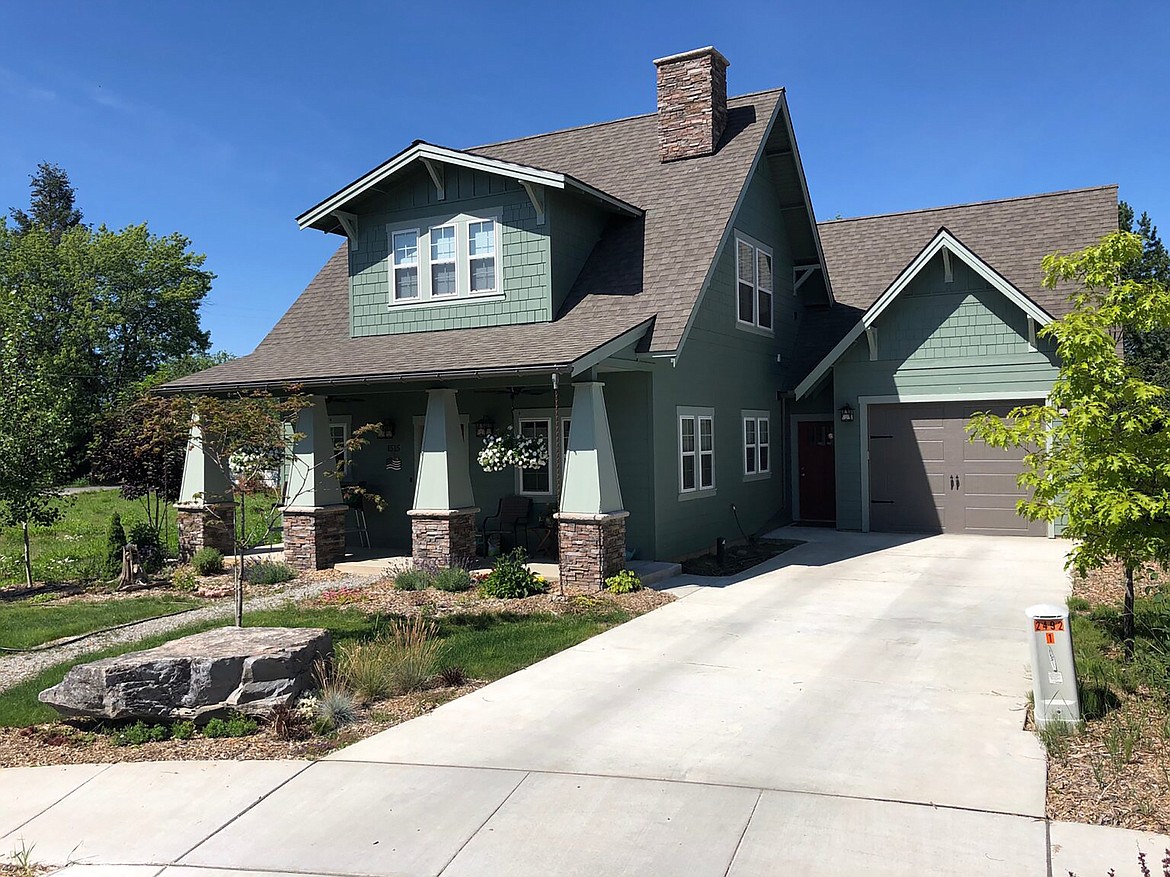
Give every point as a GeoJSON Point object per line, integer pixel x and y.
{"type": "Point", "coordinates": [445, 259]}
{"type": "Point", "coordinates": [539, 482]}
{"type": "Point", "coordinates": [696, 450]}
{"type": "Point", "coordinates": [757, 447]}
{"type": "Point", "coordinates": [339, 438]}
{"type": "Point", "coordinates": [753, 283]}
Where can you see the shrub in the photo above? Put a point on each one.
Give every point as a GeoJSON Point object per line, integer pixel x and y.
{"type": "Point", "coordinates": [208, 561]}
{"type": "Point", "coordinates": [454, 579]}
{"type": "Point", "coordinates": [182, 730]}
{"type": "Point", "coordinates": [452, 677]}
{"type": "Point", "coordinates": [289, 723]}
{"type": "Point", "coordinates": [235, 725]}
{"type": "Point", "coordinates": [115, 542]}
{"type": "Point", "coordinates": [269, 572]}
{"type": "Point", "coordinates": [139, 733]}
{"type": "Point", "coordinates": [412, 579]}
{"type": "Point", "coordinates": [385, 666]}
{"type": "Point", "coordinates": [150, 553]}
{"type": "Point", "coordinates": [335, 708]}
{"type": "Point", "coordinates": [625, 582]}
{"type": "Point", "coordinates": [185, 579]}
{"type": "Point", "coordinates": [511, 578]}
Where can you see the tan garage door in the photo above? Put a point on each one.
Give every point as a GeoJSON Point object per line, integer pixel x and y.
{"type": "Point", "coordinates": [926, 477]}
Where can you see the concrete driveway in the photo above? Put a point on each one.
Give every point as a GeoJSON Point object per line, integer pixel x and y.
{"type": "Point", "coordinates": [855, 708]}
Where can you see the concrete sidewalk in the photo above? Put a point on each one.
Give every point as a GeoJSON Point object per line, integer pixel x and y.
{"type": "Point", "coordinates": [855, 707]}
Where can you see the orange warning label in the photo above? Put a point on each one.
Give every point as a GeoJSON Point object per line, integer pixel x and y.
{"type": "Point", "coordinates": [1050, 639]}
{"type": "Point", "coordinates": [1046, 624]}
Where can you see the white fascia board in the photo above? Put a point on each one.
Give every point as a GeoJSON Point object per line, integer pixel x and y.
{"type": "Point", "coordinates": [609, 348]}
{"type": "Point", "coordinates": [944, 239]}
{"type": "Point", "coordinates": [616, 203]}
{"type": "Point", "coordinates": [519, 172]}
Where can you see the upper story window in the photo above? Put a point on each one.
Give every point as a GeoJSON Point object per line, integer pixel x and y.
{"type": "Point", "coordinates": [443, 260]}
{"type": "Point", "coordinates": [753, 283]}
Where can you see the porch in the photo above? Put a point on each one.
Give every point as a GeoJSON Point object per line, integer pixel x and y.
{"type": "Point", "coordinates": [414, 488]}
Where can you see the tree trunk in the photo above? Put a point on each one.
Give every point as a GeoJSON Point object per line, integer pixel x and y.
{"type": "Point", "coordinates": [27, 558]}
{"type": "Point", "coordinates": [1127, 625]}
{"type": "Point", "coordinates": [239, 537]}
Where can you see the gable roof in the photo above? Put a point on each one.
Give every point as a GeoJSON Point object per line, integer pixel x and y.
{"type": "Point", "coordinates": [645, 272]}
{"type": "Point", "coordinates": [943, 243]}
{"type": "Point", "coordinates": [866, 255]}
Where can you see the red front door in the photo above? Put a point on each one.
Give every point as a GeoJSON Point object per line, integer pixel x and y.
{"type": "Point", "coordinates": [817, 476]}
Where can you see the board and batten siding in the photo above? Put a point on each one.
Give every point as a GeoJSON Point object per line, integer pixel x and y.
{"type": "Point", "coordinates": [959, 340]}
{"type": "Point", "coordinates": [730, 370]}
{"type": "Point", "coordinates": [525, 268]}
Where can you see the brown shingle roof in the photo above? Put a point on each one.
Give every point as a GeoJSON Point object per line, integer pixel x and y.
{"type": "Point", "coordinates": [865, 255]}
{"type": "Point", "coordinates": [648, 269]}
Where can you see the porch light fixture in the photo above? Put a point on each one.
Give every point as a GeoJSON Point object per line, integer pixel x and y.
{"type": "Point", "coordinates": [846, 413]}
{"type": "Point", "coordinates": [484, 427]}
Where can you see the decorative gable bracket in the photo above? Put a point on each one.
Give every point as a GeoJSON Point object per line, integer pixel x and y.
{"type": "Point", "coordinates": [801, 273]}
{"type": "Point", "coordinates": [435, 169]}
{"type": "Point", "coordinates": [536, 196]}
{"type": "Point", "coordinates": [349, 223]}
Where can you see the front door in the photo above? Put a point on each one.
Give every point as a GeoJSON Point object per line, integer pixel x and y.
{"type": "Point", "coordinates": [817, 477]}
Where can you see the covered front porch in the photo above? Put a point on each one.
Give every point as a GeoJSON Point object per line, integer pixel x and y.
{"type": "Point", "coordinates": [415, 489]}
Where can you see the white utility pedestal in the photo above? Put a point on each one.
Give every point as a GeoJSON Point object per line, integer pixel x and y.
{"type": "Point", "coordinates": [1054, 674]}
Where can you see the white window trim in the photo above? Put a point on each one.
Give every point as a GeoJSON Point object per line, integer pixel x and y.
{"type": "Point", "coordinates": [756, 417]}
{"type": "Point", "coordinates": [395, 268]}
{"type": "Point", "coordinates": [697, 415]}
{"type": "Point", "coordinates": [346, 423]}
{"type": "Point", "coordinates": [545, 415]}
{"type": "Point", "coordinates": [495, 256]}
{"type": "Point", "coordinates": [423, 227]}
{"type": "Point", "coordinates": [432, 262]}
{"type": "Point", "coordinates": [754, 324]}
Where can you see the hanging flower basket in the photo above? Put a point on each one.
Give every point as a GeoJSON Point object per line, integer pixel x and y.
{"type": "Point", "coordinates": [508, 449]}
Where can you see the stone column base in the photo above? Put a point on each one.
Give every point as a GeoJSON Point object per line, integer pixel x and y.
{"type": "Point", "coordinates": [314, 537]}
{"type": "Point", "coordinates": [206, 525]}
{"type": "Point", "coordinates": [442, 537]}
{"type": "Point", "coordinates": [592, 547]}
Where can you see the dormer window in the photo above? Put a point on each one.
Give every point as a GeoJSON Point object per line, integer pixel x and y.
{"type": "Point", "coordinates": [444, 259]}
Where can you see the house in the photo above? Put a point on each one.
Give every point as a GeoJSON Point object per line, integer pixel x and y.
{"type": "Point", "coordinates": [654, 298]}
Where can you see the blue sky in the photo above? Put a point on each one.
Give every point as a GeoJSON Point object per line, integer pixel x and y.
{"type": "Point", "coordinates": [225, 120]}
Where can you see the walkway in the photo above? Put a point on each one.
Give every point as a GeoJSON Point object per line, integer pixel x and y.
{"type": "Point", "coordinates": [854, 708]}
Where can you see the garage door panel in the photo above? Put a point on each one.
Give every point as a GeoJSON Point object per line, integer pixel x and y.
{"type": "Point", "coordinates": [926, 476]}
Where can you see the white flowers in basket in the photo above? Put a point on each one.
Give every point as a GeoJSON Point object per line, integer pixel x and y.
{"type": "Point", "coordinates": [508, 449]}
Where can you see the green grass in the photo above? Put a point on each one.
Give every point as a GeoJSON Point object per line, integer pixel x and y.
{"type": "Point", "coordinates": [25, 624]}
{"type": "Point", "coordinates": [485, 646]}
{"type": "Point", "coordinates": [72, 550]}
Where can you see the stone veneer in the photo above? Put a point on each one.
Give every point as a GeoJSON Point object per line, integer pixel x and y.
{"type": "Point", "coordinates": [314, 538]}
{"type": "Point", "coordinates": [207, 525]}
{"type": "Point", "coordinates": [592, 547]}
{"type": "Point", "coordinates": [692, 103]}
{"type": "Point", "coordinates": [442, 536]}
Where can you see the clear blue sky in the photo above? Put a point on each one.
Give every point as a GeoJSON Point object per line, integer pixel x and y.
{"type": "Point", "coordinates": [225, 120]}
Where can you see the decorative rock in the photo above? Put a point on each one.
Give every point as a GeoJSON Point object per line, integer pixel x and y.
{"type": "Point", "coordinates": [249, 670]}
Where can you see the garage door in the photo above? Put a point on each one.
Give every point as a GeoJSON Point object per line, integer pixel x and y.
{"type": "Point", "coordinates": [926, 477]}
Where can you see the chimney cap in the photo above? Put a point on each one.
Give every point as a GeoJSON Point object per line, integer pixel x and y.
{"type": "Point", "coordinates": [693, 53]}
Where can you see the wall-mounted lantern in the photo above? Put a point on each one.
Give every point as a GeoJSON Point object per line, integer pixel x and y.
{"type": "Point", "coordinates": [484, 427]}
{"type": "Point", "coordinates": [846, 413]}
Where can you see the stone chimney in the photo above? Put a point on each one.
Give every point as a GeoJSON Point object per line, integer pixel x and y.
{"type": "Point", "coordinates": [692, 103]}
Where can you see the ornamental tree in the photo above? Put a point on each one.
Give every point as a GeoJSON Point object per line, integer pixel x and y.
{"type": "Point", "coordinates": [1098, 452]}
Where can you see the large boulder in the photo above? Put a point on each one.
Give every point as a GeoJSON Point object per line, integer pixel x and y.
{"type": "Point", "coordinates": [247, 669]}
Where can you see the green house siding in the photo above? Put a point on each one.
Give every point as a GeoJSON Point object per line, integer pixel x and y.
{"type": "Point", "coordinates": [575, 229]}
{"type": "Point", "coordinates": [959, 340]}
{"type": "Point", "coordinates": [524, 254]}
{"type": "Point", "coordinates": [730, 370]}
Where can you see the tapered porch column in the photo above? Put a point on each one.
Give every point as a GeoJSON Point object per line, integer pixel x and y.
{"type": "Point", "coordinates": [205, 513]}
{"type": "Point", "coordinates": [314, 514]}
{"type": "Point", "coordinates": [591, 523]}
{"type": "Point", "coordinates": [442, 522]}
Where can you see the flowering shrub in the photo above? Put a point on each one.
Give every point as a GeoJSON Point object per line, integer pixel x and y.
{"type": "Point", "coordinates": [508, 449]}
{"type": "Point", "coordinates": [341, 596]}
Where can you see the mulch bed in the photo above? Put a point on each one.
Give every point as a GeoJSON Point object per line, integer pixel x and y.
{"type": "Point", "coordinates": [738, 557]}
{"type": "Point", "coordinates": [1116, 771]}
{"type": "Point", "coordinates": [62, 743]}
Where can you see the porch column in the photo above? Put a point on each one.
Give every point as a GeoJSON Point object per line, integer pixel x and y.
{"type": "Point", "coordinates": [205, 513]}
{"type": "Point", "coordinates": [442, 522]}
{"type": "Point", "coordinates": [591, 523]}
{"type": "Point", "coordinates": [313, 514]}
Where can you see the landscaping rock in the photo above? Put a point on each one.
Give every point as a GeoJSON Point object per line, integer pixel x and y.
{"type": "Point", "coordinates": [250, 670]}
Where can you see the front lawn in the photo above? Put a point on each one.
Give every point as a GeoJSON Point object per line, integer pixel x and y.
{"type": "Point", "coordinates": [1115, 769]}
{"type": "Point", "coordinates": [27, 623]}
{"type": "Point", "coordinates": [74, 548]}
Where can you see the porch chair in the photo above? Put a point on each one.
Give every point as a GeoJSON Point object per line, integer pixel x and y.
{"type": "Point", "coordinates": [511, 516]}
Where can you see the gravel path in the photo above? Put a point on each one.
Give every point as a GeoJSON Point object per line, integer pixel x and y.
{"type": "Point", "coordinates": [17, 668]}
